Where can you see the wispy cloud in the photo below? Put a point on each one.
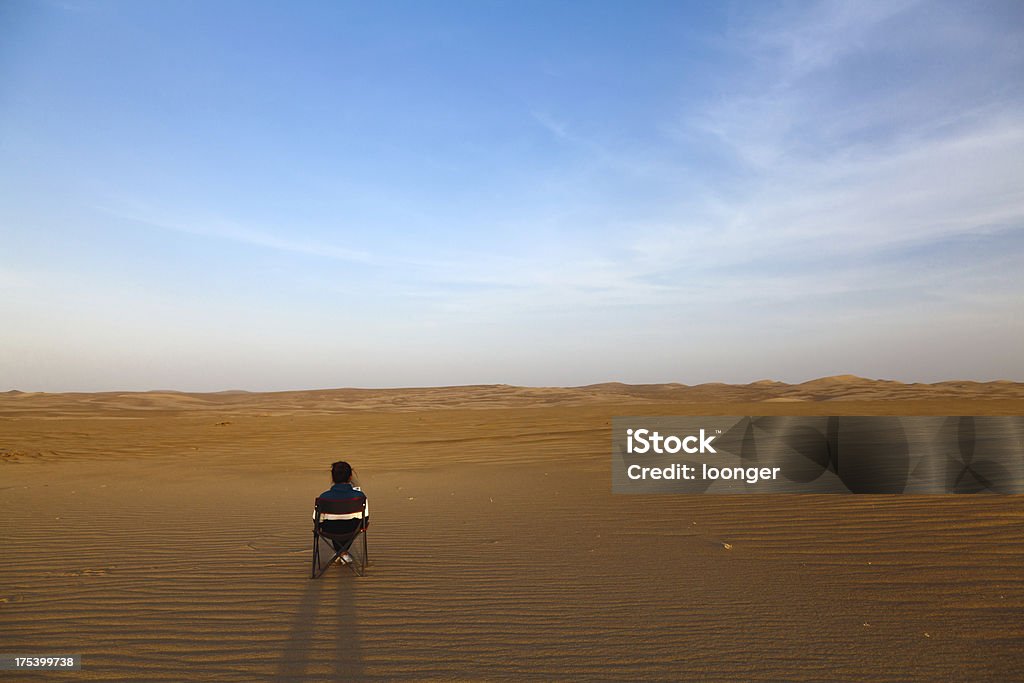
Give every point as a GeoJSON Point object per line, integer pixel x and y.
{"type": "Point", "coordinates": [559, 129]}
{"type": "Point", "coordinates": [827, 168]}
{"type": "Point", "coordinates": [812, 36]}
{"type": "Point", "coordinates": [227, 230]}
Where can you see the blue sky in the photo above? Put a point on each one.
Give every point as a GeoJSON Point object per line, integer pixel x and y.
{"type": "Point", "coordinates": [207, 196]}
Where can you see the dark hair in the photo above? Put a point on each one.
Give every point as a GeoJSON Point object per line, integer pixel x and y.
{"type": "Point", "coordinates": [341, 472]}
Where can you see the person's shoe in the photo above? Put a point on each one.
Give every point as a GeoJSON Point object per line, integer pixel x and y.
{"type": "Point", "coordinates": [345, 558]}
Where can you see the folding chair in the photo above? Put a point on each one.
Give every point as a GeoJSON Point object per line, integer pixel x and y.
{"type": "Point", "coordinates": [347, 540]}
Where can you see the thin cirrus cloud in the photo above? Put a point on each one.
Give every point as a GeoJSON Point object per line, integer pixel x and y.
{"type": "Point", "coordinates": [827, 172]}
{"type": "Point", "coordinates": [219, 229]}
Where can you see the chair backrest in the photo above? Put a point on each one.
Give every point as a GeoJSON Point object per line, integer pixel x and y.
{"type": "Point", "coordinates": [344, 506]}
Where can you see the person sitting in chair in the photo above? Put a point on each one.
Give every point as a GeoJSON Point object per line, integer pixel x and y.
{"type": "Point", "coordinates": [343, 489]}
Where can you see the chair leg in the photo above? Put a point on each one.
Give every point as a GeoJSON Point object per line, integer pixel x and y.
{"type": "Point", "coordinates": [319, 570]}
{"type": "Point", "coordinates": [316, 556]}
{"type": "Point", "coordinates": [361, 570]}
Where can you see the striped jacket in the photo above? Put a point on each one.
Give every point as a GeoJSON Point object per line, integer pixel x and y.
{"type": "Point", "coordinates": [344, 491]}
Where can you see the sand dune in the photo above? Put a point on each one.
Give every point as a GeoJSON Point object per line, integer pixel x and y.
{"type": "Point", "coordinates": [165, 536]}
{"type": "Point", "coordinates": [330, 401]}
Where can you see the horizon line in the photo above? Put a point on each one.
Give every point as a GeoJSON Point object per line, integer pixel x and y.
{"type": "Point", "coordinates": [848, 378]}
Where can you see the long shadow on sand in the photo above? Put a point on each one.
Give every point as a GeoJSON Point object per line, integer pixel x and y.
{"type": "Point", "coordinates": [313, 629]}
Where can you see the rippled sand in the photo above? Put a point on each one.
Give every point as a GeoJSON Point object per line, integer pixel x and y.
{"type": "Point", "coordinates": [165, 536]}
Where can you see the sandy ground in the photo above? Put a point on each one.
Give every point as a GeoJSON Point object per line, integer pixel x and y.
{"type": "Point", "coordinates": [166, 536]}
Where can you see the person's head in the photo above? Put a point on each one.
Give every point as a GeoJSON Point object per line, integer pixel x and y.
{"type": "Point", "coordinates": [341, 472]}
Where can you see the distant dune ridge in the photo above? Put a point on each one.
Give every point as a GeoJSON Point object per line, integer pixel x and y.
{"type": "Point", "coordinates": [835, 388]}
{"type": "Point", "coordinates": [165, 536]}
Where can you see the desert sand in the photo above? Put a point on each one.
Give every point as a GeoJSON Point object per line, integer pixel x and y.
{"type": "Point", "coordinates": [166, 536]}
